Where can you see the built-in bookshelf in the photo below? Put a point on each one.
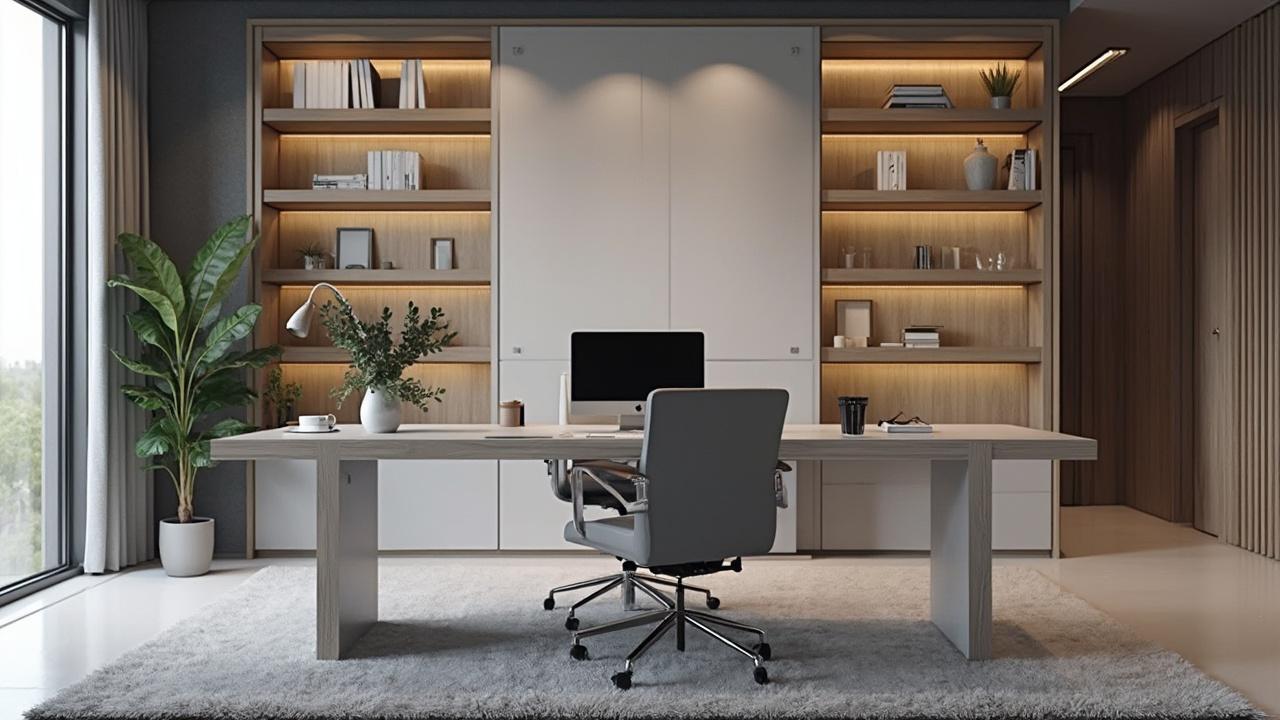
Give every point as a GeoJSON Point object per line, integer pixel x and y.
{"type": "Point", "coordinates": [996, 359]}
{"type": "Point", "coordinates": [452, 136]}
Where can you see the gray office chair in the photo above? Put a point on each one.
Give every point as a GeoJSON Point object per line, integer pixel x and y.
{"type": "Point", "coordinates": [704, 494]}
{"type": "Point", "coordinates": [611, 488]}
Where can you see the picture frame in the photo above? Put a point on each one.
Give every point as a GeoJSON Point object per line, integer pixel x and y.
{"type": "Point", "coordinates": [853, 318]}
{"type": "Point", "coordinates": [355, 248]}
{"type": "Point", "coordinates": [442, 253]}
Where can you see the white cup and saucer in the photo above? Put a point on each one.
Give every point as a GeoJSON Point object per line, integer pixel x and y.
{"type": "Point", "coordinates": [315, 424]}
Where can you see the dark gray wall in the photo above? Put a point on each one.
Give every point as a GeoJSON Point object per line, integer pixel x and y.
{"type": "Point", "coordinates": [197, 119]}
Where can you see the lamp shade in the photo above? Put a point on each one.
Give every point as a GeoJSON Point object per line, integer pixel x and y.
{"type": "Point", "coordinates": [300, 322]}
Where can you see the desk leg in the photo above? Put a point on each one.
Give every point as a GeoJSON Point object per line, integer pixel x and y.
{"type": "Point", "coordinates": [960, 551]}
{"type": "Point", "coordinates": [346, 553]}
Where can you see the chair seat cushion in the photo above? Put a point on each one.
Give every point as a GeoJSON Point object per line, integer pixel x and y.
{"type": "Point", "coordinates": [614, 535]}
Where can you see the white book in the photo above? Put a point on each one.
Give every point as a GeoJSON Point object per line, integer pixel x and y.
{"type": "Point", "coordinates": [912, 428]}
{"type": "Point", "coordinates": [422, 85]}
{"type": "Point", "coordinates": [366, 90]}
{"type": "Point", "coordinates": [344, 73]}
{"type": "Point", "coordinates": [386, 171]}
{"type": "Point", "coordinates": [375, 179]}
{"type": "Point", "coordinates": [329, 72]}
{"type": "Point", "coordinates": [411, 97]}
{"type": "Point", "coordinates": [299, 84]}
{"type": "Point", "coordinates": [417, 171]}
{"type": "Point", "coordinates": [404, 85]}
{"type": "Point", "coordinates": [1017, 170]}
{"type": "Point", "coordinates": [353, 84]}
{"type": "Point", "coordinates": [1030, 171]}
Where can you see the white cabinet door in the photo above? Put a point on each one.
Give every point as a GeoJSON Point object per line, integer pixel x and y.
{"type": "Point", "coordinates": [797, 378]}
{"type": "Point", "coordinates": [437, 504]}
{"type": "Point", "coordinates": [743, 199]}
{"type": "Point", "coordinates": [284, 516]}
{"type": "Point", "coordinates": [582, 169]}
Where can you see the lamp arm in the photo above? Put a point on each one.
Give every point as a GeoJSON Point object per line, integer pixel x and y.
{"type": "Point", "coordinates": [335, 291]}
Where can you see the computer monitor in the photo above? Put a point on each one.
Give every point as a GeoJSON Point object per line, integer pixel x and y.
{"type": "Point", "coordinates": [612, 373]}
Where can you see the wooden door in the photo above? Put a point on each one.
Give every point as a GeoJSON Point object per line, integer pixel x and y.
{"type": "Point", "coordinates": [743, 136]}
{"type": "Point", "coordinates": [1210, 340]}
{"type": "Point", "coordinates": [582, 201]}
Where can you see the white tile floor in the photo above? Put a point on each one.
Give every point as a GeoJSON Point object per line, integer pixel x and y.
{"type": "Point", "coordinates": [1216, 605]}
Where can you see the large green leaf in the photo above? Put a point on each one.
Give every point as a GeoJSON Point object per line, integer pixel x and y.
{"type": "Point", "coordinates": [228, 330]}
{"type": "Point", "coordinates": [149, 329]}
{"type": "Point", "coordinates": [146, 366]}
{"type": "Point", "coordinates": [145, 397]}
{"type": "Point", "coordinates": [159, 439]}
{"type": "Point", "coordinates": [223, 390]}
{"type": "Point", "coordinates": [216, 266]}
{"type": "Point", "coordinates": [229, 427]}
{"type": "Point", "coordinates": [200, 454]}
{"type": "Point", "coordinates": [256, 358]}
{"type": "Point", "coordinates": [153, 269]}
{"type": "Point", "coordinates": [164, 307]}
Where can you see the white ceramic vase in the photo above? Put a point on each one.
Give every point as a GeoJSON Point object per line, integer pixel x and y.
{"type": "Point", "coordinates": [980, 168]}
{"type": "Point", "coordinates": [1001, 102]}
{"type": "Point", "coordinates": [186, 549]}
{"type": "Point", "coordinates": [379, 411]}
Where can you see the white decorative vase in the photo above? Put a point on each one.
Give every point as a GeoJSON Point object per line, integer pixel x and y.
{"type": "Point", "coordinates": [1001, 102]}
{"type": "Point", "coordinates": [379, 411]}
{"type": "Point", "coordinates": [980, 168]}
{"type": "Point", "coordinates": [313, 262]}
{"type": "Point", "coordinates": [186, 549]}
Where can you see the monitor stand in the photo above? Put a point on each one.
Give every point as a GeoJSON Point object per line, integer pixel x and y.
{"type": "Point", "coordinates": [631, 422]}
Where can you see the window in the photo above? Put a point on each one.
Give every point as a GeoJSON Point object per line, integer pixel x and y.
{"type": "Point", "coordinates": [33, 516]}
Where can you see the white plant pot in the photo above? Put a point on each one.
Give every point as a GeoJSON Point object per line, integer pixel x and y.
{"type": "Point", "coordinates": [186, 549]}
{"type": "Point", "coordinates": [379, 412]}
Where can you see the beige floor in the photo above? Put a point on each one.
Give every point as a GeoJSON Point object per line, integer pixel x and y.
{"type": "Point", "coordinates": [1216, 605]}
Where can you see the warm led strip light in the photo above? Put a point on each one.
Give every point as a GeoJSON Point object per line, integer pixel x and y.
{"type": "Point", "coordinates": [1107, 56]}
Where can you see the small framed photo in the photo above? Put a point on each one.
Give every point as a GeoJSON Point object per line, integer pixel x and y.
{"type": "Point", "coordinates": [853, 318]}
{"type": "Point", "coordinates": [355, 248]}
{"type": "Point", "coordinates": [442, 253]}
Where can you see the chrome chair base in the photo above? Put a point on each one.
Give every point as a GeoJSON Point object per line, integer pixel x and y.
{"type": "Point", "coordinates": [629, 582]}
{"type": "Point", "coordinates": [678, 616]}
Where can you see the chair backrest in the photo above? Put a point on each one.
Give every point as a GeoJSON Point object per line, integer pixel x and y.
{"type": "Point", "coordinates": [710, 457]}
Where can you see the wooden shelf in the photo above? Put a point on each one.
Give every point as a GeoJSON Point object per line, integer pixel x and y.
{"type": "Point", "coordinates": [462, 354]}
{"type": "Point", "coordinates": [930, 199]}
{"type": "Point", "coordinates": [909, 121]}
{"type": "Point", "coordinates": [290, 276]}
{"type": "Point", "coordinates": [956, 354]}
{"type": "Point", "coordinates": [377, 199]}
{"type": "Point", "coordinates": [899, 276]}
{"type": "Point", "coordinates": [380, 120]}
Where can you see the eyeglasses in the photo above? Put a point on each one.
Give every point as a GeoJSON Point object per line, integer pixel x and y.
{"type": "Point", "coordinates": [899, 420]}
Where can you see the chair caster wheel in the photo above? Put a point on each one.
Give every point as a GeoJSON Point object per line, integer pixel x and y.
{"type": "Point", "coordinates": [763, 650]}
{"type": "Point", "coordinates": [761, 676]}
{"type": "Point", "coordinates": [572, 624]}
{"type": "Point", "coordinates": [578, 652]}
{"type": "Point", "coordinates": [622, 680]}
{"type": "Point", "coordinates": [713, 602]}
{"type": "Point", "coordinates": [549, 604]}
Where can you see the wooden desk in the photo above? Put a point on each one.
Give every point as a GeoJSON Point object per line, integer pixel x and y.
{"type": "Point", "coordinates": [347, 500]}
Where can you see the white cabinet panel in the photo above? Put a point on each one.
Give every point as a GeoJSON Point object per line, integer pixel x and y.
{"type": "Point", "coordinates": [1022, 521]}
{"type": "Point", "coordinates": [876, 516]}
{"type": "Point", "coordinates": [1021, 476]}
{"type": "Point", "coordinates": [438, 504]}
{"type": "Point", "coordinates": [743, 200]}
{"type": "Point", "coordinates": [284, 504]}
{"type": "Point", "coordinates": [537, 383]}
{"type": "Point", "coordinates": [582, 173]}
{"type": "Point", "coordinates": [796, 377]}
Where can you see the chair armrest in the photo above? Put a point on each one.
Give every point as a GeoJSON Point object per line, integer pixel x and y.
{"type": "Point", "coordinates": [641, 483]}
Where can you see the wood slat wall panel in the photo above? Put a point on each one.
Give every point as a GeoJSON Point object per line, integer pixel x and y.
{"type": "Point", "coordinates": [1242, 70]}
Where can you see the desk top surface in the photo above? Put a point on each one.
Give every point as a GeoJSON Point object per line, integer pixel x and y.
{"type": "Point", "coordinates": [542, 442]}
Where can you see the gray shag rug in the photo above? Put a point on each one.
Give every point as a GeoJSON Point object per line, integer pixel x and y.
{"type": "Point", "coordinates": [474, 642]}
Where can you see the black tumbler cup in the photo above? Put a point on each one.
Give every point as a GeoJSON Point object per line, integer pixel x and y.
{"type": "Point", "coordinates": [853, 414]}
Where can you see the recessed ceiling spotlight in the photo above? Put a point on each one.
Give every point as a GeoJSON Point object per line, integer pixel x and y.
{"type": "Point", "coordinates": [1107, 56]}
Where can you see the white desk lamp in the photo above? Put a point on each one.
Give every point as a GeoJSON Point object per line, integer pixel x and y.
{"type": "Point", "coordinates": [300, 321]}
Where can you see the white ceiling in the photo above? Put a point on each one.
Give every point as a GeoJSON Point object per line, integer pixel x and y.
{"type": "Point", "coordinates": [1158, 34]}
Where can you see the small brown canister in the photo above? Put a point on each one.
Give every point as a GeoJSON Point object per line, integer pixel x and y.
{"type": "Point", "coordinates": [511, 413]}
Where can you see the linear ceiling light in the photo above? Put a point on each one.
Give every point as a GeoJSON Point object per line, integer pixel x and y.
{"type": "Point", "coordinates": [1107, 56]}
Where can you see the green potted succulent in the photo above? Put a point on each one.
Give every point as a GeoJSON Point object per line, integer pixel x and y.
{"type": "Point", "coordinates": [313, 256]}
{"type": "Point", "coordinates": [1000, 83]}
{"type": "Point", "coordinates": [280, 398]}
{"type": "Point", "coordinates": [378, 363]}
{"type": "Point", "coordinates": [191, 369]}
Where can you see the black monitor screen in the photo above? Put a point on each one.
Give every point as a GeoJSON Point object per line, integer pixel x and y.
{"type": "Point", "coordinates": [627, 366]}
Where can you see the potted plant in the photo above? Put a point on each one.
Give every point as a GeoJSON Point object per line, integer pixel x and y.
{"type": "Point", "coordinates": [377, 363]}
{"type": "Point", "coordinates": [280, 397]}
{"type": "Point", "coordinates": [1000, 83]}
{"type": "Point", "coordinates": [313, 256]}
{"type": "Point", "coordinates": [191, 371]}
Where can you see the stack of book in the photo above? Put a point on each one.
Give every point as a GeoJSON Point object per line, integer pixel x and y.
{"type": "Point", "coordinates": [413, 88]}
{"type": "Point", "coordinates": [922, 336]}
{"type": "Point", "coordinates": [917, 96]}
{"type": "Point", "coordinates": [335, 84]}
{"type": "Point", "coordinates": [1022, 170]}
{"type": "Point", "coordinates": [357, 181]}
{"type": "Point", "coordinates": [394, 170]}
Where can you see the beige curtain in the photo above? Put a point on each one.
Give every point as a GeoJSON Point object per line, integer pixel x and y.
{"type": "Point", "coordinates": [118, 530]}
